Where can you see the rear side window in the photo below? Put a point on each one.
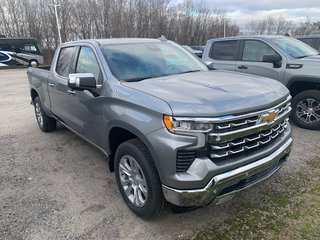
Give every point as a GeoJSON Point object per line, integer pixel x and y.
{"type": "Point", "coordinates": [255, 50]}
{"type": "Point", "coordinates": [87, 63]}
{"type": "Point", "coordinates": [64, 61]}
{"type": "Point", "coordinates": [225, 50]}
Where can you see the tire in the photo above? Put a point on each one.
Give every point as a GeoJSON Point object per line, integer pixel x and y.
{"type": "Point", "coordinates": [33, 63]}
{"type": "Point", "coordinates": [149, 202]}
{"type": "Point", "coordinates": [306, 109]}
{"type": "Point", "coordinates": [45, 123]}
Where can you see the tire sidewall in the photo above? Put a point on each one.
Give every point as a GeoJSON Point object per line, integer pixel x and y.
{"type": "Point", "coordinates": [314, 94]}
{"type": "Point", "coordinates": [153, 183]}
{"type": "Point", "coordinates": [35, 102]}
{"type": "Point", "coordinates": [49, 124]}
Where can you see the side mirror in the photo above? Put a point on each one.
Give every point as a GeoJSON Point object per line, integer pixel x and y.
{"type": "Point", "coordinates": [82, 81]}
{"type": "Point", "coordinates": [274, 58]}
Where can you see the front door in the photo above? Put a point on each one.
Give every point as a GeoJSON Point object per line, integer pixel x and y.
{"type": "Point", "coordinates": [86, 107]}
{"type": "Point", "coordinates": [251, 61]}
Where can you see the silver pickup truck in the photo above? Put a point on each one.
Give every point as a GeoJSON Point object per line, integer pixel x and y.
{"type": "Point", "coordinates": [173, 130]}
{"type": "Point", "coordinates": [285, 59]}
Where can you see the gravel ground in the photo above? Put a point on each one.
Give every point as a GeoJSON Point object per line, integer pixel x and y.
{"type": "Point", "coordinates": [56, 186]}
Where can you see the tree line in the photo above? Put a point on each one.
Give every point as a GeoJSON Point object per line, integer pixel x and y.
{"type": "Point", "coordinates": [281, 26]}
{"type": "Point", "coordinates": [190, 22]}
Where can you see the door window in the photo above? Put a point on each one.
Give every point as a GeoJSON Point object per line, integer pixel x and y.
{"type": "Point", "coordinates": [254, 51]}
{"type": "Point", "coordinates": [87, 63]}
{"type": "Point", "coordinates": [64, 61]}
{"type": "Point", "coordinates": [225, 50]}
{"type": "Point", "coordinates": [5, 45]}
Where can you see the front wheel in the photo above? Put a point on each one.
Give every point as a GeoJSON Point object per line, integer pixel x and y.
{"type": "Point", "coordinates": [138, 180]}
{"type": "Point", "coordinates": [306, 109]}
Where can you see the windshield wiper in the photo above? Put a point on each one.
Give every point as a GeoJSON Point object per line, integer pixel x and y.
{"type": "Point", "coordinates": [304, 56]}
{"type": "Point", "coordinates": [137, 79]}
{"type": "Point", "coordinates": [191, 71]}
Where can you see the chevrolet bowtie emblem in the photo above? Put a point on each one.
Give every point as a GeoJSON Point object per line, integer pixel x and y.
{"type": "Point", "coordinates": [268, 117]}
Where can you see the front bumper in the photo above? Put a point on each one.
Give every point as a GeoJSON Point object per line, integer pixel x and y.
{"type": "Point", "coordinates": [223, 186]}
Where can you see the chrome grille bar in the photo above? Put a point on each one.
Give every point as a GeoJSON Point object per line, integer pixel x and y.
{"type": "Point", "coordinates": [226, 136]}
{"type": "Point", "coordinates": [244, 144]}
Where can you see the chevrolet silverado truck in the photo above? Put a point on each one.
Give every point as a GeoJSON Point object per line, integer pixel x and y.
{"type": "Point", "coordinates": [173, 130]}
{"type": "Point", "coordinates": [288, 60]}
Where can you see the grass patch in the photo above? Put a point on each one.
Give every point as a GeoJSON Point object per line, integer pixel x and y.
{"type": "Point", "coordinates": [290, 213]}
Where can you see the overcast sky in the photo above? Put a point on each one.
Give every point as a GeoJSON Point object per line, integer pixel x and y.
{"type": "Point", "coordinates": [242, 11]}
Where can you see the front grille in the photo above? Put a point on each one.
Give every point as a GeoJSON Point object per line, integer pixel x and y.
{"type": "Point", "coordinates": [249, 142]}
{"type": "Point", "coordinates": [185, 159]}
{"type": "Point", "coordinates": [234, 135]}
{"type": "Point", "coordinates": [239, 134]}
{"type": "Point", "coordinates": [251, 120]}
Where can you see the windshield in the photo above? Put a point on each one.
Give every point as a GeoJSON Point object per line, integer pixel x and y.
{"type": "Point", "coordinates": [294, 47]}
{"type": "Point", "coordinates": [138, 61]}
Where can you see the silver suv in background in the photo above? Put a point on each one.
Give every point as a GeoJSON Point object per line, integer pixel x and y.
{"type": "Point", "coordinates": [285, 59]}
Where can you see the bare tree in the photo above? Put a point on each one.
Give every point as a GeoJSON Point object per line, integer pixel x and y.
{"type": "Point", "coordinates": [187, 22]}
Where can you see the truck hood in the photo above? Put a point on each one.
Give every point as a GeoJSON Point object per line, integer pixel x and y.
{"type": "Point", "coordinates": [314, 59]}
{"type": "Point", "coordinates": [213, 93]}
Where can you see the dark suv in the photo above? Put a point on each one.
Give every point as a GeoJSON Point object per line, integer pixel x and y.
{"type": "Point", "coordinates": [313, 41]}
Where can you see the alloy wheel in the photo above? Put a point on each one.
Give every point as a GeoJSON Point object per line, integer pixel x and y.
{"type": "Point", "coordinates": [133, 181]}
{"type": "Point", "coordinates": [39, 114]}
{"type": "Point", "coordinates": [308, 110]}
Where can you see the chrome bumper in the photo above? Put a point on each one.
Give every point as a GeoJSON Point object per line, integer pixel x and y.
{"type": "Point", "coordinates": [222, 187]}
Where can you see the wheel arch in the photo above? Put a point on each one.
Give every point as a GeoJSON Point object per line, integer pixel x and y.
{"type": "Point", "coordinates": [33, 94]}
{"type": "Point", "coordinates": [298, 85]}
{"type": "Point", "coordinates": [119, 132]}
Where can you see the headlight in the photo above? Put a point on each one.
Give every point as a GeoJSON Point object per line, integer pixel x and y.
{"type": "Point", "coordinates": [181, 125]}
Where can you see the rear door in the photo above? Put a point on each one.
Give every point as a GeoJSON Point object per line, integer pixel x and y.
{"type": "Point", "coordinates": [224, 54]}
{"type": "Point", "coordinates": [251, 60]}
{"type": "Point", "coordinates": [58, 85]}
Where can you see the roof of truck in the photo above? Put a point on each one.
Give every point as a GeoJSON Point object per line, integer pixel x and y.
{"type": "Point", "coordinates": [117, 40]}
{"type": "Point", "coordinates": [251, 37]}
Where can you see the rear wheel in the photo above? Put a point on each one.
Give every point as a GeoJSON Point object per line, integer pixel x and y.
{"type": "Point", "coordinates": [306, 109]}
{"type": "Point", "coordinates": [138, 180]}
{"type": "Point", "coordinates": [45, 123]}
{"type": "Point", "coordinates": [33, 63]}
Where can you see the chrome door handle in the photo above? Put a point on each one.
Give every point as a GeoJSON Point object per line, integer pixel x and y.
{"type": "Point", "coordinates": [71, 92]}
{"type": "Point", "coordinates": [51, 84]}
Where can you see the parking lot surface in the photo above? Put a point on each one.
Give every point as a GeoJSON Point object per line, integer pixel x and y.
{"type": "Point", "coordinates": [56, 186]}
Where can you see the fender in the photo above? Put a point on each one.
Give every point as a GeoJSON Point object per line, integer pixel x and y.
{"type": "Point", "coordinates": [133, 130]}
